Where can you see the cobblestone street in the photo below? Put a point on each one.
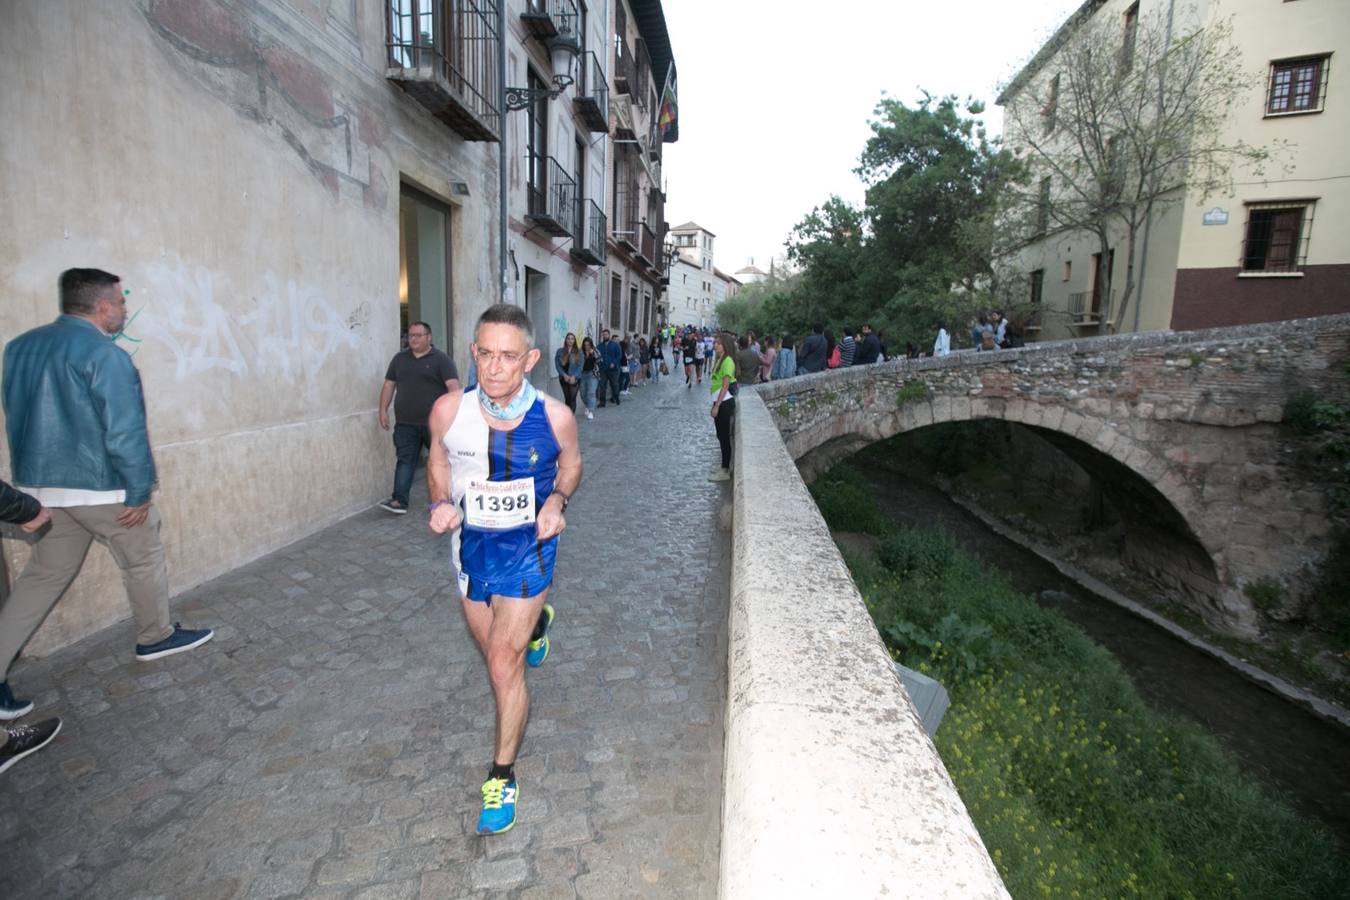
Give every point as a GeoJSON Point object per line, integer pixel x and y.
{"type": "Point", "coordinates": [331, 740]}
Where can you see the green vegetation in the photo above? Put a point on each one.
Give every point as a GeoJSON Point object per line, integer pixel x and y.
{"type": "Point", "coordinates": [917, 251]}
{"type": "Point", "coordinates": [1265, 593]}
{"type": "Point", "coordinates": [1078, 788]}
{"type": "Point", "coordinates": [913, 390]}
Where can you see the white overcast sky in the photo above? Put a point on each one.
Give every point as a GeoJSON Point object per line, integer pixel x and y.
{"type": "Point", "coordinates": [775, 97]}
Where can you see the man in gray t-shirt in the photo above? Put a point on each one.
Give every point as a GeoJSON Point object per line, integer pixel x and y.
{"type": "Point", "coordinates": [415, 378]}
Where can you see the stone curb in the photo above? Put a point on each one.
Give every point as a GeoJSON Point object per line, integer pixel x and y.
{"type": "Point", "coordinates": [831, 785]}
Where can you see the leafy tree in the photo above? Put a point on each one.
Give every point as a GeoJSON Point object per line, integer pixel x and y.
{"type": "Point", "coordinates": [1124, 119]}
{"type": "Point", "coordinates": [919, 249]}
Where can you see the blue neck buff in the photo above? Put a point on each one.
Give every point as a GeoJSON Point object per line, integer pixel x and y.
{"type": "Point", "coordinates": [516, 408]}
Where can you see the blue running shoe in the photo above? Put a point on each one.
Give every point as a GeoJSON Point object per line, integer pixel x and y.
{"type": "Point", "coordinates": [499, 806]}
{"type": "Point", "coordinates": [537, 652]}
{"type": "Point", "coordinates": [11, 708]}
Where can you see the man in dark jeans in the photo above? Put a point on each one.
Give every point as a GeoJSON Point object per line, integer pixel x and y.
{"type": "Point", "coordinates": [417, 376]}
{"type": "Point", "coordinates": [611, 360]}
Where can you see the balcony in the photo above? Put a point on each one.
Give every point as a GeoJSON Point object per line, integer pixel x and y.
{"type": "Point", "coordinates": [1085, 308]}
{"type": "Point", "coordinates": [625, 230]}
{"type": "Point", "coordinates": [452, 71]}
{"type": "Point", "coordinates": [624, 75]}
{"type": "Point", "coordinates": [551, 194]}
{"type": "Point", "coordinates": [592, 99]}
{"type": "Point", "coordinates": [588, 233]}
{"type": "Point", "coordinates": [545, 19]}
{"type": "Point", "coordinates": [646, 246]}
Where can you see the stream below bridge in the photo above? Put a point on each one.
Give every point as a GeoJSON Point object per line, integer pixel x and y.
{"type": "Point", "coordinates": [1295, 752]}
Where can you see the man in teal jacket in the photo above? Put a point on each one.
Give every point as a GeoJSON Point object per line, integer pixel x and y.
{"type": "Point", "coordinates": [78, 443]}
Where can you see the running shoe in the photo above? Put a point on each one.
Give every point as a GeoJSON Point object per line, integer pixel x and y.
{"type": "Point", "coordinates": [538, 649]}
{"type": "Point", "coordinates": [25, 739]}
{"type": "Point", "coordinates": [499, 806]}
{"type": "Point", "coordinates": [394, 506]}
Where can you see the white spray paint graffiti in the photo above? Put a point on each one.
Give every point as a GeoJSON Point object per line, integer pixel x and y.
{"type": "Point", "coordinates": [288, 330]}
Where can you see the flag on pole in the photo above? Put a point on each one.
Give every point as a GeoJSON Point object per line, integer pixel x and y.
{"type": "Point", "coordinates": [669, 103]}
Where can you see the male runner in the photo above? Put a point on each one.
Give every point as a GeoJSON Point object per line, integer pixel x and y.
{"type": "Point", "coordinates": [504, 463]}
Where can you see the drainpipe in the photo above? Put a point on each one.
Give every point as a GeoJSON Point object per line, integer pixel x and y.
{"type": "Point", "coordinates": [1148, 223]}
{"type": "Point", "coordinates": [501, 144]}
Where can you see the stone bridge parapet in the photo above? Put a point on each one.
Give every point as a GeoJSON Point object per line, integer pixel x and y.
{"type": "Point", "coordinates": [1182, 430]}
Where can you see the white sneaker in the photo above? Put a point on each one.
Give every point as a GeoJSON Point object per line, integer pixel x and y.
{"type": "Point", "coordinates": [720, 475]}
{"type": "Point", "coordinates": [589, 414]}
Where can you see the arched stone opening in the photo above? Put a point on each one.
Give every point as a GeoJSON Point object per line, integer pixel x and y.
{"type": "Point", "coordinates": [1144, 510]}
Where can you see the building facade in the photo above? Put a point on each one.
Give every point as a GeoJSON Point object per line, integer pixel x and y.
{"type": "Point", "coordinates": [696, 286]}
{"type": "Point", "coordinates": [642, 84]}
{"type": "Point", "coordinates": [285, 185]}
{"type": "Point", "coordinates": [1266, 246]}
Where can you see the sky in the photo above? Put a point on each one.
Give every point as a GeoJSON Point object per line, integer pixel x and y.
{"type": "Point", "coordinates": [775, 98]}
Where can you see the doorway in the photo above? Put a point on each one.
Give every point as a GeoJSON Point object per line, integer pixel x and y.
{"type": "Point", "coordinates": [424, 267]}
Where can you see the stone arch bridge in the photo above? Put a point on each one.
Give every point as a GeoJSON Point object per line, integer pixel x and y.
{"type": "Point", "coordinates": [1183, 431]}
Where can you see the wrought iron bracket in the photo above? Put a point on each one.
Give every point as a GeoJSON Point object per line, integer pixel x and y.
{"type": "Point", "coordinates": [517, 98]}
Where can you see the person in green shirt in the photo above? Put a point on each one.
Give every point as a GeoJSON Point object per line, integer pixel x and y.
{"type": "Point", "coordinates": [723, 386]}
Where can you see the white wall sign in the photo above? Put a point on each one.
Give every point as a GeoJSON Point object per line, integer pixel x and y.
{"type": "Point", "coordinates": [1215, 216]}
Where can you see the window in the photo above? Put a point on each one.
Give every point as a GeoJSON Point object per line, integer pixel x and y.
{"type": "Point", "coordinates": [1068, 269]}
{"type": "Point", "coordinates": [1297, 85]}
{"type": "Point", "coordinates": [1043, 207]}
{"type": "Point", "coordinates": [1131, 32]}
{"type": "Point", "coordinates": [536, 134]}
{"type": "Point", "coordinates": [1277, 236]}
{"type": "Point", "coordinates": [1051, 105]}
{"type": "Point", "coordinates": [454, 41]}
{"type": "Point", "coordinates": [632, 308]}
{"type": "Point", "coordinates": [1037, 286]}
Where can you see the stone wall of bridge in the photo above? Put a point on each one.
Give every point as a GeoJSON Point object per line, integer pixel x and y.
{"type": "Point", "coordinates": [1184, 432]}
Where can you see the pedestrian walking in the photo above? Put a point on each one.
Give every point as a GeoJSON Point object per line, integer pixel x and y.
{"type": "Point", "coordinates": [516, 464]}
{"type": "Point", "coordinates": [611, 358]}
{"type": "Point", "coordinates": [414, 379]}
{"type": "Point", "coordinates": [567, 363]}
{"type": "Point", "coordinates": [18, 741]}
{"type": "Point", "coordinates": [590, 374]}
{"type": "Point", "coordinates": [722, 384]}
{"type": "Point", "coordinates": [691, 352]}
{"type": "Point", "coordinates": [78, 444]}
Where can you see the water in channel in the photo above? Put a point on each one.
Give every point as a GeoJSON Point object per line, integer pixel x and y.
{"type": "Point", "coordinates": [1301, 755]}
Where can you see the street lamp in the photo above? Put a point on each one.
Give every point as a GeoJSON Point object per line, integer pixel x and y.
{"type": "Point", "coordinates": [563, 48]}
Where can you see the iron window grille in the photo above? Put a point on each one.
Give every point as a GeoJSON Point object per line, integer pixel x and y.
{"type": "Point", "coordinates": [455, 39]}
{"type": "Point", "coordinates": [1276, 236]}
{"type": "Point", "coordinates": [1297, 85]}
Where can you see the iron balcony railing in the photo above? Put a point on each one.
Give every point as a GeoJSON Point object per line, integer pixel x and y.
{"type": "Point", "coordinates": [1088, 307]}
{"type": "Point", "coordinates": [443, 53]}
{"type": "Point", "coordinates": [551, 194]}
{"type": "Point", "coordinates": [592, 99]}
{"type": "Point", "coordinates": [588, 233]}
{"type": "Point", "coordinates": [624, 75]}
{"type": "Point", "coordinates": [647, 243]}
{"type": "Point", "coordinates": [625, 212]}
{"type": "Point", "coordinates": [547, 18]}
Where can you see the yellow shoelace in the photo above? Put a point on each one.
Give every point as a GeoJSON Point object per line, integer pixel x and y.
{"type": "Point", "coordinates": [492, 793]}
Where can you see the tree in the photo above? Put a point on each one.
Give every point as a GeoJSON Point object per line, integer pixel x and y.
{"type": "Point", "coordinates": [1122, 120]}
{"type": "Point", "coordinates": [920, 247]}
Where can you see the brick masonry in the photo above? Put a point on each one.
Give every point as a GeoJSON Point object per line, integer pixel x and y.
{"type": "Point", "coordinates": [1186, 426]}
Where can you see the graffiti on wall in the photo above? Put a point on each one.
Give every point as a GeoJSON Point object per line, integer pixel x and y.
{"type": "Point", "coordinates": [286, 330]}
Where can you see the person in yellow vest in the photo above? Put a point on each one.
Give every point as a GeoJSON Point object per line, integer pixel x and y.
{"type": "Point", "coordinates": [723, 387]}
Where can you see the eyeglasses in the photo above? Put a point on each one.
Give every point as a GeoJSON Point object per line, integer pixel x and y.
{"type": "Point", "coordinates": [413, 334]}
{"type": "Point", "coordinates": [485, 357]}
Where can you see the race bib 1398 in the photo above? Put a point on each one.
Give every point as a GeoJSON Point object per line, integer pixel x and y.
{"type": "Point", "coordinates": [499, 505]}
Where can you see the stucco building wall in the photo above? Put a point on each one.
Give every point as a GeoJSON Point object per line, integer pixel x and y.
{"type": "Point", "coordinates": [238, 165]}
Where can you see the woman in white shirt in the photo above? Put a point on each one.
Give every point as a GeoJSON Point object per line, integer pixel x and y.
{"type": "Point", "coordinates": [943, 345]}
